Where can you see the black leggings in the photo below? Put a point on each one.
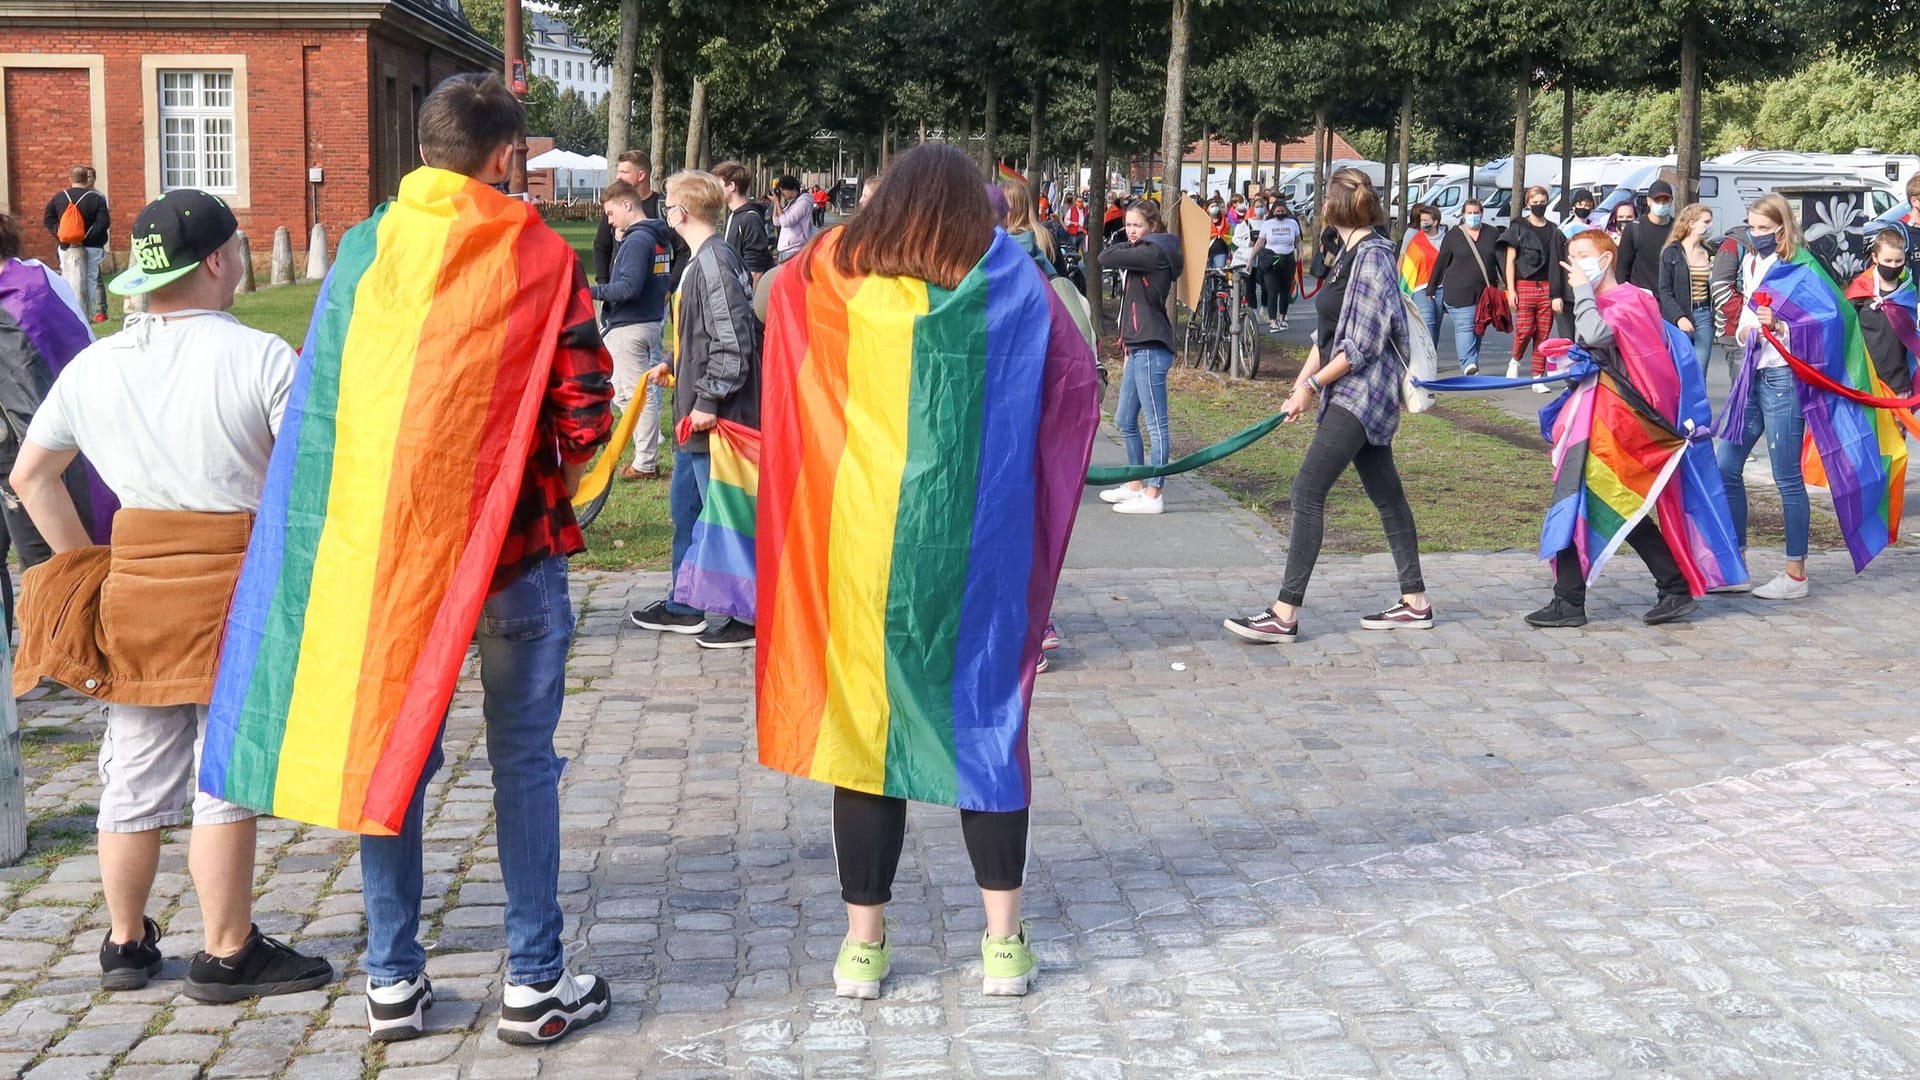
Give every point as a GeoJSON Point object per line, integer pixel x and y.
{"type": "Point", "coordinates": [870, 830]}
{"type": "Point", "coordinates": [1338, 442]}
{"type": "Point", "coordinates": [1276, 285]}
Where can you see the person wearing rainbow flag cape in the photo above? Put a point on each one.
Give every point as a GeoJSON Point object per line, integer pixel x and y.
{"type": "Point", "coordinates": [1883, 297]}
{"type": "Point", "coordinates": [1631, 439]}
{"type": "Point", "coordinates": [1807, 383]}
{"type": "Point", "coordinates": [927, 416]}
{"type": "Point", "coordinates": [451, 393]}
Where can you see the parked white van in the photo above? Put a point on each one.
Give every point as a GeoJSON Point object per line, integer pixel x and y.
{"type": "Point", "coordinates": [1729, 189]}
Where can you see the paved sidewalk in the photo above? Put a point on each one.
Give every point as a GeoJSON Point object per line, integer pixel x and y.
{"type": "Point", "coordinates": [1481, 851]}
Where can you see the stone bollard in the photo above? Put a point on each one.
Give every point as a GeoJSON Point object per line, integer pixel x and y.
{"type": "Point", "coordinates": [247, 283]}
{"type": "Point", "coordinates": [317, 253]}
{"type": "Point", "coordinates": [282, 256]}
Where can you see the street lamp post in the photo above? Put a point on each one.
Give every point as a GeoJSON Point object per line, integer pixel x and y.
{"type": "Point", "coordinates": [517, 83]}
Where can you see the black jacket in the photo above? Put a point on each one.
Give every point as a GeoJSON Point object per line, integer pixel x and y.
{"type": "Point", "coordinates": [717, 342]}
{"type": "Point", "coordinates": [746, 230]}
{"type": "Point", "coordinates": [1640, 244]}
{"type": "Point", "coordinates": [1152, 266]}
{"type": "Point", "coordinates": [1456, 276]}
{"type": "Point", "coordinates": [603, 245]}
{"type": "Point", "coordinates": [93, 211]}
{"type": "Point", "coordinates": [1675, 286]}
{"type": "Point", "coordinates": [1884, 347]}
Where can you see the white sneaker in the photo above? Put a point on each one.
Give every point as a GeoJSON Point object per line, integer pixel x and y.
{"type": "Point", "coordinates": [1470, 369]}
{"type": "Point", "coordinates": [1783, 587]}
{"type": "Point", "coordinates": [397, 1013]}
{"type": "Point", "coordinates": [1513, 369]}
{"type": "Point", "coordinates": [1541, 388]}
{"type": "Point", "coordinates": [530, 1016]}
{"type": "Point", "coordinates": [1283, 324]}
{"type": "Point", "coordinates": [1142, 504]}
{"type": "Point", "coordinates": [1123, 493]}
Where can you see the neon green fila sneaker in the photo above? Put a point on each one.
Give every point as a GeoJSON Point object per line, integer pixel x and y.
{"type": "Point", "coordinates": [861, 968]}
{"type": "Point", "coordinates": [1008, 964]}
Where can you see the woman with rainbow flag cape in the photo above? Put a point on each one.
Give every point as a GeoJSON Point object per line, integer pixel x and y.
{"type": "Point", "coordinates": [1630, 441]}
{"type": "Point", "coordinates": [1797, 323]}
{"type": "Point", "coordinates": [927, 416]}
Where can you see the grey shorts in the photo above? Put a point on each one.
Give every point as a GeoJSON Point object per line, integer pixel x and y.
{"type": "Point", "coordinates": [148, 760]}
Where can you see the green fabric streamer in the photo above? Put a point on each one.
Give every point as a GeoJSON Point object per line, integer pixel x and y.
{"type": "Point", "coordinates": [1103, 476]}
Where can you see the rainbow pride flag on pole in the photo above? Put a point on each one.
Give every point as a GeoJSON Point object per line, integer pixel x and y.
{"type": "Point", "coordinates": [923, 456]}
{"type": "Point", "coordinates": [396, 470]}
{"type": "Point", "coordinates": [1627, 447]}
{"type": "Point", "coordinates": [1861, 452]}
{"type": "Point", "coordinates": [716, 574]}
{"type": "Point", "coordinates": [1417, 262]}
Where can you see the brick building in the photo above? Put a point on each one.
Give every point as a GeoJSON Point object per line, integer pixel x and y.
{"type": "Point", "coordinates": [238, 97]}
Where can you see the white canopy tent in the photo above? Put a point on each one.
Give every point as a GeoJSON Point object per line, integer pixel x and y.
{"type": "Point", "coordinates": [583, 175]}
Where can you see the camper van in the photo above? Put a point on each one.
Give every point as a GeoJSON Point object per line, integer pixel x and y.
{"type": "Point", "coordinates": [1878, 169]}
{"type": "Point", "coordinates": [1296, 185]}
{"type": "Point", "coordinates": [1730, 189]}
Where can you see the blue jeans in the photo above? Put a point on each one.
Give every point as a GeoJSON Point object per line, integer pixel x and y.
{"type": "Point", "coordinates": [1143, 389]}
{"type": "Point", "coordinates": [1703, 337]}
{"type": "Point", "coordinates": [686, 496]}
{"type": "Point", "coordinates": [1429, 312]}
{"type": "Point", "coordinates": [525, 632]}
{"type": "Point", "coordinates": [1773, 409]}
{"type": "Point", "coordinates": [1466, 343]}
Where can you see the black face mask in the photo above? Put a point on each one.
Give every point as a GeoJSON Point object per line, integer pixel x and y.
{"type": "Point", "coordinates": [1581, 212]}
{"type": "Point", "coordinates": [1538, 210]}
{"type": "Point", "coordinates": [1889, 274]}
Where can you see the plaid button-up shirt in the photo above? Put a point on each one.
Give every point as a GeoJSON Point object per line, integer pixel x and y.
{"type": "Point", "coordinates": [574, 420]}
{"type": "Point", "coordinates": [1372, 332]}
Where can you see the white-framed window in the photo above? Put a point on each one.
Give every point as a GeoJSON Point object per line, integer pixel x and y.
{"type": "Point", "coordinates": [197, 147]}
{"type": "Point", "coordinates": [569, 69]}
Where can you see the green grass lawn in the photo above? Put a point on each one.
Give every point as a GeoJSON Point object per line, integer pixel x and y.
{"type": "Point", "coordinates": [283, 310]}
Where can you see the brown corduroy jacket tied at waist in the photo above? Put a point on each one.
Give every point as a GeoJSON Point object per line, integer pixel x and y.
{"type": "Point", "coordinates": [138, 622]}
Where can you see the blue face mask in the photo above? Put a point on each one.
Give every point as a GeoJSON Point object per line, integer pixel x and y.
{"type": "Point", "coordinates": [1471, 221]}
{"type": "Point", "coordinates": [1764, 246]}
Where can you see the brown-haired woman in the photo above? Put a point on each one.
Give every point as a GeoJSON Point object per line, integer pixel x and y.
{"type": "Point", "coordinates": [1535, 250]}
{"type": "Point", "coordinates": [1150, 262]}
{"type": "Point", "coordinates": [847, 364]}
{"type": "Point", "coordinates": [1355, 370]}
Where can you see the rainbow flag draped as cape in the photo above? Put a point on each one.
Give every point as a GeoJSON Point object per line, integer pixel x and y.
{"type": "Point", "coordinates": [924, 450]}
{"type": "Point", "coordinates": [1417, 262]}
{"type": "Point", "coordinates": [41, 331]}
{"type": "Point", "coordinates": [716, 575]}
{"type": "Point", "coordinates": [407, 432]}
{"type": "Point", "coordinates": [1862, 455]}
{"type": "Point", "coordinates": [1624, 449]}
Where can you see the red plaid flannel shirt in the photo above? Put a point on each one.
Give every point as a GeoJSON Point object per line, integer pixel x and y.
{"type": "Point", "coordinates": [574, 420]}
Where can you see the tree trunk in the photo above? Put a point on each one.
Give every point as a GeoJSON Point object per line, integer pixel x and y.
{"type": "Point", "coordinates": [657, 136]}
{"type": "Point", "coordinates": [1173, 124]}
{"type": "Point", "coordinates": [1097, 180]}
{"type": "Point", "coordinates": [1233, 168]}
{"type": "Point", "coordinates": [886, 144]}
{"type": "Point", "coordinates": [1311, 211]}
{"type": "Point", "coordinates": [1566, 144]}
{"type": "Point", "coordinates": [1036, 126]}
{"type": "Point", "coordinates": [620, 94]}
{"type": "Point", "coordinates": [1522, 113]}
{"type": "Point", "coordinates": [991, 130]}
{"type": "Point", "coordinates": [1687, 143]}
{"type": "Point", "coordinates": [1255, 155]}
{"type": "Point", "coordinates": [1406, 157]}
{"type": "Point", "coordinates": [923, 131]}
{"type": "Point", "coordinates": [1276, 163]}
{"type": "Point", "coordinates": [1203, 190]}
{"type": "Point", "coordinates": [696, 121]}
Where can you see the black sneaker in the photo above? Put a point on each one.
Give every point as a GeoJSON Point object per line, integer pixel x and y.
{"type": "Point", "coordinates": [262, 968]}
{"type": "Point", "coordinates": [399, 1012]}
{"type": "Point", "coordinates": [732, 634]}
{"type": "Point", "coordinates": [129, 966]}
{"type": "Point", "coordinates": [1670, 609]}
{"type": "Point", "coordinates": [1557, 614]}
{"type": "Point", "coordinates": [533, 1015]}
{"type": "Point", "coordinates": [1399, 617]}
{"type": "Point", "coordinates": [1265, 628]}
{"type": "Point", "coordinates": [655, 616]}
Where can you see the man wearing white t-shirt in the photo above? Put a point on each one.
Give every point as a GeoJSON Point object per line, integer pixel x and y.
{"type": "Point", "coordinates": [177, 413]}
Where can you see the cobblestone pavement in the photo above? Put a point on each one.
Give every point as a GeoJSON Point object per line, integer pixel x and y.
{"type": "Point", "coordinates": [1484, 851]}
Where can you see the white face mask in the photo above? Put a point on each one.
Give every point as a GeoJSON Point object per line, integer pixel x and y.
{"type": "Point", "coordinates": [1594, 266]}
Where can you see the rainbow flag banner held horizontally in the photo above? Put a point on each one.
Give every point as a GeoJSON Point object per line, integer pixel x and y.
{"type": "Point", "coordinates": [923, 457]}
{"type": "Point", "coordinates": [716, 574]}
{"type": "Point", "coordinates": [407, 430]}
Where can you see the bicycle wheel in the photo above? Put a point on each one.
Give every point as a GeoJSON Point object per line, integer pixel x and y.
{"type": "Point", "coordinates": [1193, 342]}
{"type": "Point", "coordinates": [1250, 338]}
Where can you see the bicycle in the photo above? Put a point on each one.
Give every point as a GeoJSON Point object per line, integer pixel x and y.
{"type": "Point", "coordinates": [1208, 343]}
